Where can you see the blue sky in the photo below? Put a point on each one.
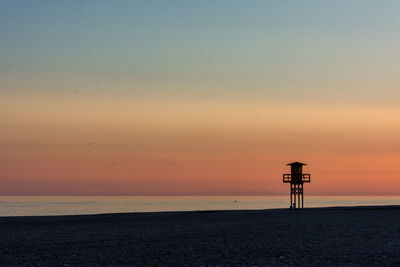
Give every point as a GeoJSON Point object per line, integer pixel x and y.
{"type": "Point", "coordinates": [203, 49]}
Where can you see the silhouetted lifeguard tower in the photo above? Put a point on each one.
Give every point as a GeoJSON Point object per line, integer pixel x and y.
{"type": "Point", "coordinates": [296, 180]}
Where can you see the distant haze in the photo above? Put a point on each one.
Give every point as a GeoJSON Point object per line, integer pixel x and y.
{"type": "Point", "coordinates": [199, 97]}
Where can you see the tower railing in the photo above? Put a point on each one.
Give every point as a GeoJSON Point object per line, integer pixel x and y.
{"type": "Point", "coordinates": [287, 178]}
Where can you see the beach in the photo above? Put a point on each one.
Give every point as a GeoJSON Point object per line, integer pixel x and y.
{"type": "Point", "coordinates": [312, 236]}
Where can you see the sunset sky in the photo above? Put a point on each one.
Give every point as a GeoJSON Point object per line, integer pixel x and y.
{"type": "Point", "coordinates": [199, 97]}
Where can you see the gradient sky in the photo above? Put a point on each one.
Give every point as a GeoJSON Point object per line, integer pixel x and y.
{"type": "Point", "coordinates": [199, 97]}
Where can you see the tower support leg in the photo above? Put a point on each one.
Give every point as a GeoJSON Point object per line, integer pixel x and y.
{"type": "Point", "coordinates": [291, 196]}
{"type": "Point", "coordinates": [302, 197]}
{"type": "Point", "coordinates": [298, 195]}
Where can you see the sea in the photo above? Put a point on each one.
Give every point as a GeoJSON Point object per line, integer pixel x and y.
{"type": "Point", "coordinates": [74, 205]}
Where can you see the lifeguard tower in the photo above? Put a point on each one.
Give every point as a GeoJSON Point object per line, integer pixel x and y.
{"type": "Point", "coordinates": [296, 179]}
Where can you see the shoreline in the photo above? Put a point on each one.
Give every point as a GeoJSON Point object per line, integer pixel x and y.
{"type": "Point", "coordinates": [362, 207]}
{"type": "Point", "coordinates": [359, 235]}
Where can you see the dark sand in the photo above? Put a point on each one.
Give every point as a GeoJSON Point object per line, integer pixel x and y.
{"type": "Point", "coordinates": [330, 236]}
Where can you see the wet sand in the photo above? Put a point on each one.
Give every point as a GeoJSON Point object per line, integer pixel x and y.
{"type": "Point", "coordinates": [322, 236]}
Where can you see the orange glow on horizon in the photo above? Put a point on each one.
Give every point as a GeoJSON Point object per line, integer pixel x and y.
{"type": "Point", "coordinates": [81, 146]}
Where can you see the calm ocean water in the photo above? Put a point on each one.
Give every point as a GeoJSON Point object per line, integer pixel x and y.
{"type": "Point", "coordinates": [68, 205]}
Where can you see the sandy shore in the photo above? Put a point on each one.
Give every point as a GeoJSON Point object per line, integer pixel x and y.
{"type": "Point", "coordinates": [325, 236]}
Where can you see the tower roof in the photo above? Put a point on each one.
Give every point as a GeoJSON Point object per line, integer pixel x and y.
{"type": "Point", "coordinates": [296, 163]}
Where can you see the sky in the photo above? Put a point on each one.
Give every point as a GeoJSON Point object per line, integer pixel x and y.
{"type": "Point", "coordinates": [199, 97]}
